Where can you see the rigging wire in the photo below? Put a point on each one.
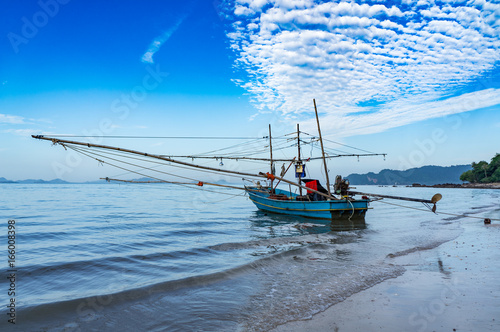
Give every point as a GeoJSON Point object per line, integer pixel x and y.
{"type": "Point", "coordinates": [162, 137]}
{"type": "Point", "coordinates": [251, 149]}
{"type": "Point", "coordinates": [349, 146]}
{"type": "Point", "coordinates": [148, 160]}
{"type": "Point", "coordinates": [331, 141]}
{"type": "Point", "coordinates": [449, 214]}
{"type": "Point", "coordinates": [179, 184]}
{"type": "Point", "coordinates": [229, 147]}
{"type": "Point", "coordinates": [144, 160]}
{"type": "Point", "coordinates": [161, 163]}
{"type": "Point", "coordinates": [126, 173]}
{"type": "Point", "coordinates": [89, 154]}
{"type": "Point", "coordinates": [227, 198]}
{"type": "Point", "coordinates": [242, 155]}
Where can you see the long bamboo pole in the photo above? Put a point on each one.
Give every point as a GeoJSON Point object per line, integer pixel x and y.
{"type": "Point", "coordinates": [429, 201]}
{"type": "Point", "coordinates": [100, 146]}
{"type": "Point", "coordinates": [271, 153]}
{"type": "Point", "coordinates": [276, 159]}
{"type": "Point", "coordinates": [322, 150]}
{"type": "Point", "coordinates": [291, 163]}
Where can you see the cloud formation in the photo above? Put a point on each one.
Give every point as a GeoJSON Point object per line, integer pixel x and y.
{"type": "Point", "coordinates": [11, 119]}
{"type": "Point", "coordinates": [369, 66]}
{"type": "Point", "coordinates": [21, 132]}
{"type": "Point", "coordinates": [159, 41]}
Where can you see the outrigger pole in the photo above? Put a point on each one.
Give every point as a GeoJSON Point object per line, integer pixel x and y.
{"type": "Point", "coordinates": [267, 176]}
{"type": "Point", "coordinates": [436, 198]}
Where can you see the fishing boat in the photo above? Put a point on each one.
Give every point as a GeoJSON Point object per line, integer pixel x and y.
{"type": "Point", "coordinates": [284, 202]}
{"type": "Point", "coordinates": [318, 202]}
{"type": "Point", "coordinates": [309, 200]}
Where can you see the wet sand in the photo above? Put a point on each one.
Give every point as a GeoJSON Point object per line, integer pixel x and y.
{"type": "Point", "coordinates": [454, 287]}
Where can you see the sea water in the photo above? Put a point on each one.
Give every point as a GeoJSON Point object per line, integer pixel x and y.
{"type": "Point", "coordinates": [162, 257]}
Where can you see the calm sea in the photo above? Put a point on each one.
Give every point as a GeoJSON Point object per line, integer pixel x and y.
{"type": "Point", "coordinates": [161, 257]}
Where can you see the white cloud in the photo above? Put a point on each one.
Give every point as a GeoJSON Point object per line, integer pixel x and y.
{"type": "Point", "coordinates": [243, 11]}
{"type": "Point", "coordinates": [403, 112]}
{"type": "Point", "coordinates": [350, 55]}
{"type": "Point", "coordinates": [22, 132]}
{"type": "Point", "coordinates": [11, 119]}
{"type": "Point", "coordinates": [159, 41]}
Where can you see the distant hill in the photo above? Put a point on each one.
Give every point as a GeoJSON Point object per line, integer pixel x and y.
{"type": "Point", "coordinates": [55, 181]}
{"type": "Point", "coordinates": [100, 181]}
{"type": "Point", "coordinates": [4, 180]}
{"type": "Point", "coordinates": [426, 175]}
{"type": "Point", "coordinates": [28, 181]}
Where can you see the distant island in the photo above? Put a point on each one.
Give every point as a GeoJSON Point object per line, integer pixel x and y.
{"type": "Point", "coordinates": [100, 181]}
{"type": "Point", "coordinates": [426, 175]}
{"type": "Point", "coordinates": [39, 181]}
{"type": "Point", "coordinates": [55, 181]}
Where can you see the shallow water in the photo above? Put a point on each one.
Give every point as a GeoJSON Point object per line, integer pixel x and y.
{"type": "Point", "coordinates": [163, 257]}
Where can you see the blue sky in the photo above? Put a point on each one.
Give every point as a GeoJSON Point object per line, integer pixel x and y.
{"type": "Point", "coordinates": [418, 80]}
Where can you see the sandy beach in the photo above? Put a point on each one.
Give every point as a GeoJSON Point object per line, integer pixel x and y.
{"type": "Point", "coordinates": [453, 287]}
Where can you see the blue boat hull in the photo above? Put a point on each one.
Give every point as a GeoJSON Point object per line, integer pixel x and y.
{"type": "Point", "coordinates": [326, 210]}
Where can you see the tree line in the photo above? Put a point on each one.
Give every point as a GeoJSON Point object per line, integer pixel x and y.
{"type": "Point", "coordinates": [482, 172]}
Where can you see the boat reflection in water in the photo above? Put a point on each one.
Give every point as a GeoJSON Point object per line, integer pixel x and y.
{"type": "Point", "coordinates": [275, 222]}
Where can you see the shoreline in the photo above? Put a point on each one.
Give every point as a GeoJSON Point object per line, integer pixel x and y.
{"type": "Point", "coordinates": [495, 185]}
{"type": "Point", "coordinates": [452, 287]}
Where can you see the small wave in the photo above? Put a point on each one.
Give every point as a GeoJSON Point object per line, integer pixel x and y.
{"type": "Point", "coordinates": [279, 241]}
{"type": "Point", "coordinates": [107, 263]}
{"type": "Point", "coordinates": [299, 291]}
{"type": "Point", "coordinates": [428, 246]}
{"type": "Point", "coordinates": [72, 309]}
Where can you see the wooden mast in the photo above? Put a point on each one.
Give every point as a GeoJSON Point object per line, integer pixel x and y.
{"type": "Point", "coordinates": [271, 152]}
{"type": "Point", "coordinates": [322, 150]}
{"type": "Point", "coordinates": [300, 160]}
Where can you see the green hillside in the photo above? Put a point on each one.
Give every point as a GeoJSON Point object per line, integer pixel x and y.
{"type": "Point", "coordinates": [482, 172]}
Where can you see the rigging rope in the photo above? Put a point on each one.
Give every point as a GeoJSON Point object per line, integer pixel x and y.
{"type": "Point", "coordinates": [163, 137]}
{"type": "Point", "coordinates": [238, 151]}
{"type": "Point", "coordinates": [449, 214]}
{"type": "Point", "coordinates": [227, 198]}
{"type": "Point", "coordinates": [78, 150]}
{"type": "Point", "coordinates": [352, 147]}
{"type": "Point", "coordinates": [126, 155]}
